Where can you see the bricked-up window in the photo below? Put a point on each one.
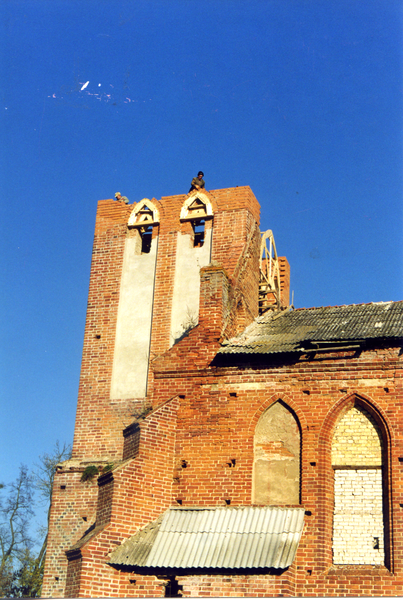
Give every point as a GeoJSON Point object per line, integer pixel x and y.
{"type": "Point", "coordinates": [358, 520]}
{"type": "Point", "coordinates": [277, 449]}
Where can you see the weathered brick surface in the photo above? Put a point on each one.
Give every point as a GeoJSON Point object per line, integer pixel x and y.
{"type": "Point", "coordinates": [72, 512]}
{"type": "Point", "coordinates": [284, 268]}
{"type": "Point", "coordinates": [132, 494]}
{"type": "Point", "coordinates": [196, 446]}
{"type": "Point", "coordinates": [238, 586]}
{"type": "Point", "coordinates": [98, 430]}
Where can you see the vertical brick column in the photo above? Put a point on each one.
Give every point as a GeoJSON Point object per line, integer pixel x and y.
{"type": "Point", "coordinates": [165, 273]}
{"type": "Point", "coordinates": [236, 246]}
{"type": "Point", "coordinates": [214, 299]}
{"type": "Point", "coordinates": [284, 267]}
{"type": "Point", "coordinates": [98, 429]}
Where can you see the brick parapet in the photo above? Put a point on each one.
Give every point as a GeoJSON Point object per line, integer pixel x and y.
{"type": "Point", "coordinates": [111, 212]}
{"type": "Point", "coordinates": [235, 199]}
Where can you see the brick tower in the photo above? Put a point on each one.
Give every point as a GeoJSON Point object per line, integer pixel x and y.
{"type": "Point", "coordinates": [159, 268]}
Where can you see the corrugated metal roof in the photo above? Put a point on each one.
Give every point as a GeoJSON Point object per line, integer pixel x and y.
{"type": "Point", "coordinates": [298, 330]}
{"type": "Point", "coordinates": [230, 538]}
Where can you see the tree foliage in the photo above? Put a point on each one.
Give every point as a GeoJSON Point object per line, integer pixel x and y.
{"type": "Point", "coordinates": [26, 580]}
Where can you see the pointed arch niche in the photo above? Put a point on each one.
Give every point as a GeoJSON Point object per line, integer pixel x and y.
{"type": "Point", "coordinates": [196, 206]}
{"type": "Point", "coordinates": [144, 217]}
{"type": "Point", "coordinates": [193, 251]}
{"type": "Point", "coordinates": [195, 211]}
{"type": "Point", "coordinates": [277, 457]}
{"type": "Point", "coordinates": [357, 460]}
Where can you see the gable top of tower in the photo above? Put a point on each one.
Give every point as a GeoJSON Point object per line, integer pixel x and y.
{"type": "Point", "coordinates": [227, 199]}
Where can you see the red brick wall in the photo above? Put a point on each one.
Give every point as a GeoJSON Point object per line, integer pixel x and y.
{"type": "Point", "coordinates": [73, 578]}
{"type": "Point", "coordinates": [216, 423]}
{"type": "Point", "coordinates": [218, 412]}
{"type": "Point", "coordinates": [132, 441]}
{"type": "Point", "coordinates": [98, 435]}
{"type": "Point", "coordinates": [235, 248]}
{"type": "Point", "coordinates": [235, 586]}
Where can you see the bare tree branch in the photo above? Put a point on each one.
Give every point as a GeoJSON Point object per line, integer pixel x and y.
{"type": "Point", "coordinates": [15, 514]}
{"type": "Point", "coordinates": [45, 470]}
{"type": "Point", "coordinates": [16, 510]}
{"type": "Point", "coordinates": [21, 570]}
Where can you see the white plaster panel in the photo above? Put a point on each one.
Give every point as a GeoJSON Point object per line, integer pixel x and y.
{"type": "Point", "coordinates": [133, 330]}
{"type": "Point", "coordinates": [186, 294]}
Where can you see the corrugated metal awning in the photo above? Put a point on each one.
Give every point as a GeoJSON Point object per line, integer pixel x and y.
{"type": "Point", "coordinates": [248, 537]}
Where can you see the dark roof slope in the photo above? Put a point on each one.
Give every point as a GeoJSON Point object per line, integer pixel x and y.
{"type": "Point", "coordinates": [309, 328]}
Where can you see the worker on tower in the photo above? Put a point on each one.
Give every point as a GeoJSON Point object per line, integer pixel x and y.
{"type": "Point", "coordinates": [197, 182]}
{"type": "Point", "coordinates": [121, 198]}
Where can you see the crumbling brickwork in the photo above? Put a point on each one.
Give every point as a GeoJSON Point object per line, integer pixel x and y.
{"type": "Point", "coordinates": [194, 439]}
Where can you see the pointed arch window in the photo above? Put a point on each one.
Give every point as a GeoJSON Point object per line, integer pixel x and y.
{"type": "Point", "coordinates": [196, 206]}
{"type": "Point", "coordinates": [144, 214]}
{"type": "Point", "coordinates": [277, 450]}
{"type": "Point", "coordinates": [357, 461]}
{"type": "Point", "coordinates": [197, 209]}
{"type": "Point", "coordinates": [144, 218]}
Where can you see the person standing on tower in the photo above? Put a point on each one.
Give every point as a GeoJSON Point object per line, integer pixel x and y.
{"type": "Point", "coordinates": [197, 182]}
{"type": "Point", "coordinates": [121, 198]}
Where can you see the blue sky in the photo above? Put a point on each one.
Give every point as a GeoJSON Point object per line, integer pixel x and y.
{"type": "Point", "coordinates": [299, 99]}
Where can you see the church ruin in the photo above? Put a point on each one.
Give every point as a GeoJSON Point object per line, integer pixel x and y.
{"type": "Point", "coordinates": [226, 444]}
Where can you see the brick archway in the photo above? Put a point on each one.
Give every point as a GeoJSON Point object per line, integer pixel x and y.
{"type": "Point", "coordinates": [277, 451]}
{"type": "Point", "coordinates": [300, 416]}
